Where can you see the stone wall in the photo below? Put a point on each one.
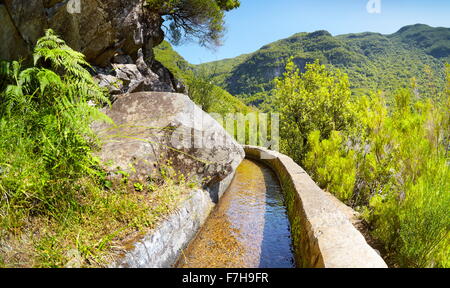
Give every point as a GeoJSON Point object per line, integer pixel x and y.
{"type": "Point", "coordinates": [161, 247]}
{"type": "Point", "coordinates": [322, 233]}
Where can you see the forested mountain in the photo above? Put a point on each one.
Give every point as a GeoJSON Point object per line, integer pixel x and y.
{"type": "Point", "coordinates": [373, 61]}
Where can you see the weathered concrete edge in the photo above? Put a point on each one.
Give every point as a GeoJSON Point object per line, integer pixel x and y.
{"type": "Point", "coordinates": [323, 236]}
{"type": "Point", "coordinates": [162, 247]}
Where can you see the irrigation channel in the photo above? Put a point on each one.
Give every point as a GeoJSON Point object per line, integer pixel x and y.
{"type": "Point", "coordinates": [249, 227]}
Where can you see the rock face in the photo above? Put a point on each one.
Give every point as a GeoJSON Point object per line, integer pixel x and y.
{"type": "Point", "coordinates": [108, 33]}
{"type": "Point", "coordinates": [155, 126]}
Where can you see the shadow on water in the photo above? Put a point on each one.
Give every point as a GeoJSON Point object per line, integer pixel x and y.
{"type": "Point", "coordinates": [276, 248]}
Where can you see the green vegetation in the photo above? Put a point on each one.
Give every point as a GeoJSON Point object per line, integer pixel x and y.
{"type": "Point", "coordinates": [220, 70]}
{"type": "Point", "coordinates": [173, 61]}
{"type": "Point", "coordinates": [332, 167]}
{"type": "Point", "coordinates": [57, 207]}
{"type": "Point", "coordinates": [405, 176]}
{"type": "Point", "coordinates": [434, 41]}
{"type": "Point", "coordinates": [210, 97]}
{"type": "Point", "coordinates": [199, 19]}
{"type": "Point", "coordinates": [44, 128]}
{"type": "Point", "coordinates": [388, 161]}
{"type": "Point", "coordinates": [315, 100]}
{"type": "Point", "coordinates": [372, 62]}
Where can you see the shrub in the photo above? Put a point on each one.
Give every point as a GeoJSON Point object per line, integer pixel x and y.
{"type": "Point", "coordinates": [404, 175]}
{"type": "Point", "coordinates": [201, 90]}
{"type": "Point", "coordinates": [415, 224]}
{"type": "Point", "coordinates": [392, 165]}
{"type": "Point", "coordinates": [333, 168]}
{"type": "Point", "coordinates": [315, 100]}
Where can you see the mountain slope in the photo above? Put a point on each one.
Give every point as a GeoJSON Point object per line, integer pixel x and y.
{"type": "Point", "coordinates": [433, 41]}
{"type": "Point", "coordinates": [224, 102]}
{"type": "Point", "coordinates": [373, 61]}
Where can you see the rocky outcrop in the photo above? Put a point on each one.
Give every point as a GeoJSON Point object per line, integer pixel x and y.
{"type": "Point", "coordinates": [108, 33]}
{"type": "Point", "coordinates": [127, 77]}
{"type": "Point", "coordinates": [151, 128]}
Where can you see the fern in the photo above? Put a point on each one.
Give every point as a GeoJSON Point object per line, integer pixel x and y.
{"type": "Point", "coordinates": [45, 135]}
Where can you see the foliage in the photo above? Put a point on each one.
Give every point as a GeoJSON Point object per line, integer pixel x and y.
{"type": "Point", "coordinates": [88, 233]}
{"type": "Point", "coordinates": [211, 98]}
{"type": "Point", "coordinates": [434, 41]}
{"type": "Point", "coordinates": [46, 141]}
{"type": "Point", "coordinates": [415, 223]}
{"type": "Point", "coordinates": [331, 167]}
{"type": "Point", "coordinates": [220, 70]}
{"type": "Point", "coordinates": [389, 158]}
{"type": "Point", "coordinates": [173, 61]}
{"type": "Point", "coordinates": [201, 90]}
{"type": "Point", "coordinates": [315, 100]}
{"type": "Point", "coordinates": [200, 19]}
{"type": "Point", "coordinates": [404, 175]}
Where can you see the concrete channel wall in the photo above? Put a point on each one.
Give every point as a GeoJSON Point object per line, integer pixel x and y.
{"type": "Point", "coordinates": [322, 234]}
{"type": "Point", "coordinates": [162, 247]}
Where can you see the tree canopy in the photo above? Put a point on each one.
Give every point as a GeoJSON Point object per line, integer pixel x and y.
{"type": "Point", "coordinates": [194, 19]}
{"type": "Point", "coordinates": [315, 100]}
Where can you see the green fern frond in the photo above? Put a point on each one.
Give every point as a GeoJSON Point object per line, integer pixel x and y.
{"type": "Point", "coordinates": [47, 78]}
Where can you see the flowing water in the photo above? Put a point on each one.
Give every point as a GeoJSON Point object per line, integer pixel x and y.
{"type": "Point", "coordinates": [248, 228]}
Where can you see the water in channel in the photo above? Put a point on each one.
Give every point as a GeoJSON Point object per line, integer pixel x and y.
{"type": "Point", "coordinates": [249, 227]}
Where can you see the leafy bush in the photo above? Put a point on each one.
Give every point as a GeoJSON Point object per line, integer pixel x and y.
{"type": "Point", "coordinates": [407, 174]}
{"type": "Point", "coordinates": [201, 90]}
{"type": "Point", "coordinates": [403, 177]}
{"type": "Point", "coordinates": [415, 223]}
{"type": "Point", "coordinates": [315, 100]}
{"type": "Point", "coordinates": [332, 168]}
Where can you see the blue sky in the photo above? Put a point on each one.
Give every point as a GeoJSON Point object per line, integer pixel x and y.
{"type": "Point", "coordinates": [259, 22]}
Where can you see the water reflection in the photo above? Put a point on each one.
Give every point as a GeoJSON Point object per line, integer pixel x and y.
{"type": "Point", "coordinates": [249, 227]}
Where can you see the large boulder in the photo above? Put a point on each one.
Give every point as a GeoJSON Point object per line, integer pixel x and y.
{"type": "Point", "coordinates": [106, 32]}
{"type": "Point", "coordinates": [151, 128]}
